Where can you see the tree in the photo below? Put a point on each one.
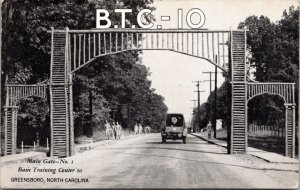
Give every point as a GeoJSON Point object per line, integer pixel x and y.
{"type": "Point", "coordinates": [33, 121]}
{"type": "Point", "coordinates": [274, 54]}
{"type": "Point", "coordinates": [123, 82]}
{"type": "Point", "coordinates": [25, 25]}
{"type": "Point", "coordinates": [268, 44]}
{"type": "Point", "coordinates": [113, 81]}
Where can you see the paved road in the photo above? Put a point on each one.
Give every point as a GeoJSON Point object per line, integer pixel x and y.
{"type": "Point", "coordinates": [144, 162]}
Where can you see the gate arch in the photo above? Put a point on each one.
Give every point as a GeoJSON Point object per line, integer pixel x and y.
{"type": "Point", "coordinates": [15, 93]}
{"type": "Point", "coordinates": [86, 45]}
{"type": "Point", "coordinates": [284, 90]}
{"type": "Point", "coordinates": [287, 92]}
{"type": "Point", "coordinates": [73, 49]}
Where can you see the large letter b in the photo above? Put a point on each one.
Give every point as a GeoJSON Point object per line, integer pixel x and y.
{"type": "Point", "coordinates": [102, 19]}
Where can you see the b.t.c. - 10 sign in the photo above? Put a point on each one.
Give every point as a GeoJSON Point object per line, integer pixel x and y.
{"type": "Point", "coordinates": [103, 20]}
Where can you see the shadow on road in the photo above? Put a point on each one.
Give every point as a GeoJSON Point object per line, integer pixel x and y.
{"type": "Point", "coordinates": [164, 148]}
{"type": "Point", "coordinates": [168, 142]}
{"type": "Point", "coordinates": [214, 163]}
{"type": "Point", "coordinates": [177, 142]}
{"type": "Point", "coordinates": [186, 148]}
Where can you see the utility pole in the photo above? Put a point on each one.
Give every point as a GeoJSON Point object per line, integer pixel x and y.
{"type": "Point", "coordinates": [91, 112]}
{"type": "Point", "coordinates": [210, 105]}
{"type": "Point", "coordinates": [0, 71]}
{"type": "Point", "coordinates": [194, 102]}
{"type": "Point", "coordinates": [213, 109]}
{"type": "Point", "coordinates": [215, 97]}
{"type": "Point", "coordinates": [194, 127]}
{"type": "Point", "coordinates": [198, 93]}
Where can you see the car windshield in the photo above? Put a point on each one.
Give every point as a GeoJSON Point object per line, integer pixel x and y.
{"type": "Point", "coordinates": [175, 120]}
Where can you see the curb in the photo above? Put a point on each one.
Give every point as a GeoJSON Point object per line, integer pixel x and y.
{"type": "Point", "coordinates": [255, 155]}
{"type": "Point", "coordinates": [86, 147]}
{"type": "Point", "coordinates": [209, 141]}
{"type": "Point", "coordinates": [20, 158]}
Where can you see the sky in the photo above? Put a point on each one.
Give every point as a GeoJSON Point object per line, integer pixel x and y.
{"type": "Point", "coordinates": [172, 73]}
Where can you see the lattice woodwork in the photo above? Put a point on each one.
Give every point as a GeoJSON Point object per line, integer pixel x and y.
{"type": "Point", "coordinates": [284, 90]}
{"type": "Point", "coordinates": [238, 102]}
{"type": "Point", "coordinates": [16, 92]}
{"type": "Point", "coordinates": [86, 45]}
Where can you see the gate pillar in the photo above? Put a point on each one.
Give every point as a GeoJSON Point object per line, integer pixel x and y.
{"type": "Point", "coordinates": [290, 130]}
{"type": "Point", "coordinates": [60, 87]}
{"type": "Point", "coordinates": [10, 130]}
{"type": "Point", "coordinates": [71, 118]}
{"type": "Point", "coordinates": [238, 140]}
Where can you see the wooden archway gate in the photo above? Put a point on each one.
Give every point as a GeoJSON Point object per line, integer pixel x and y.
{"type": "Point", "coordinates": [73, 49]}
{"type": "Point", "coordinates": [14, 93]}
{"type": "Point", "coordinates": [287, 92]}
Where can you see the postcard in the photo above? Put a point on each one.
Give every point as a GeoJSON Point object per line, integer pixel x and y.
{"type": "Point", "coordinates": [162, 94]}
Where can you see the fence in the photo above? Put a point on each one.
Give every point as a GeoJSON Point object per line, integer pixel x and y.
{"type": "Point", "coordinates": [266, 130]}
{"type": "Point", "coordinates": [25, 148]}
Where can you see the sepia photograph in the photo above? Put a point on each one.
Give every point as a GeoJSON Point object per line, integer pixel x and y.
{"type": "Point", "coordinates": [149, 94]}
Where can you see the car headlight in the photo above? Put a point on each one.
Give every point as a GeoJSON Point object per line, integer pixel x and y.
{"type": "Point", "coordinates": [179, 135]}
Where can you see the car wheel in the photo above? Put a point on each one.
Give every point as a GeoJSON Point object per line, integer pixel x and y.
{"type": "Point", "coordinates": [184, 140]}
